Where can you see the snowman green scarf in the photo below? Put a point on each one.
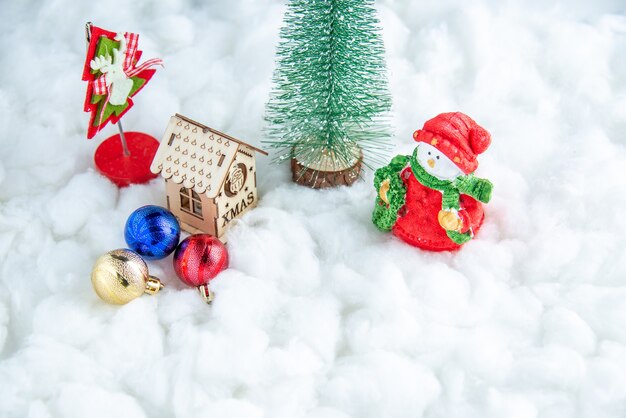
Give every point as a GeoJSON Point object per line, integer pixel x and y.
{"type": "Point", "coordinates": [384, 215]}
{"type": "Point", "coordinates": [479, 189]}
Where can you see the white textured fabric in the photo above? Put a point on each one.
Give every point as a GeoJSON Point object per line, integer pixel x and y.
{"type": "Point", "coordinates": [321, 315]}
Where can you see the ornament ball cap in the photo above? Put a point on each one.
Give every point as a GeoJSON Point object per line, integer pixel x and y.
{"type": "Point", "coordinates": [153, 285]}
{"type": "Point", "coordinates": [206, 293]}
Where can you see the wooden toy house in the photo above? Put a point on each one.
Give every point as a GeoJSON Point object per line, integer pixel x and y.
{"type": "Point", "coordinates": [210, 177]}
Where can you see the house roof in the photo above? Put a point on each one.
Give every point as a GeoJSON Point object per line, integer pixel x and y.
{"type": "Point", "coordinates": [196, 156]}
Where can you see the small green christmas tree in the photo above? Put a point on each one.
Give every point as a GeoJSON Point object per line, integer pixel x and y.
{"type": "Point", "coordinates": [328, 109]}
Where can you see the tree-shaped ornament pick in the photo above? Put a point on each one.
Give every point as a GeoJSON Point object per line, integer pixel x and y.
{"type": "Point", "coordinates": [328, 109]}
{"type": "Point", "coordinates": [114, 76]}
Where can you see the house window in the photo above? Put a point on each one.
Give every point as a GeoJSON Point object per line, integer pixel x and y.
{"type": "Point", "coordinates": [190, 202]}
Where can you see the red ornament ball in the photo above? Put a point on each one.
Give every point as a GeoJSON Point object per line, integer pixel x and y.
{"type": "Point", "coordinates": [199, 258]}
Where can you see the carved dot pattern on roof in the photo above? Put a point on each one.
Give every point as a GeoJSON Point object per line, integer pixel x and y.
{"type": "Point", "coordinates": [189, 158]}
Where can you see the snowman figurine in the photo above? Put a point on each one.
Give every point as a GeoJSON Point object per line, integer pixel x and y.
{"type": "Point", "coordinates": [431, 199]}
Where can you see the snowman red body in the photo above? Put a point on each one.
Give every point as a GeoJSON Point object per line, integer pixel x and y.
{"type": "Point", "coordinates": [418, 222]}
{"type": "Point", "coordinates": [442, 202]}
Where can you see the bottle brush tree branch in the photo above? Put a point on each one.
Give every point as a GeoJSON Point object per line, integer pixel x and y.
{"type": "Point", "coordinates": [328, 110]}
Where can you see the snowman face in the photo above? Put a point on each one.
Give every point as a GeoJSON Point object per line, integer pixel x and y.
{"type": "Point", "coordinates": [436, 163]}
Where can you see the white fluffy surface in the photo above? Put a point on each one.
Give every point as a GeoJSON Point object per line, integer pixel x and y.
{"type": "Point", "coordinates": [321, 315]}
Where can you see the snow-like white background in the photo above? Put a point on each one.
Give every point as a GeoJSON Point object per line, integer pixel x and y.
{"type": "Point", "coordinates": [321, 315]}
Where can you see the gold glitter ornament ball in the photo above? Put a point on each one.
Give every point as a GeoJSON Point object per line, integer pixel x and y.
{"type": "Point", "coordinates": [120, 276]}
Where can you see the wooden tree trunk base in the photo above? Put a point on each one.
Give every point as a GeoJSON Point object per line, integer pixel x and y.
{"type": "Point", "coordinates": [317, 179]}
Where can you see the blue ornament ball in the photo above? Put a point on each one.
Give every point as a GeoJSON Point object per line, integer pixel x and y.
{"type": "Point", "coordinates": [152, 231]}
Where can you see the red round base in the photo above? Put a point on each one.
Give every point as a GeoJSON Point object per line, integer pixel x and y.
{"type": "Point", "coordinates": [125, 170]}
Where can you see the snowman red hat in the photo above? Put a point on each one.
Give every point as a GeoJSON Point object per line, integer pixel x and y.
{"type": "Point", "coordinates": [456, 135]}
